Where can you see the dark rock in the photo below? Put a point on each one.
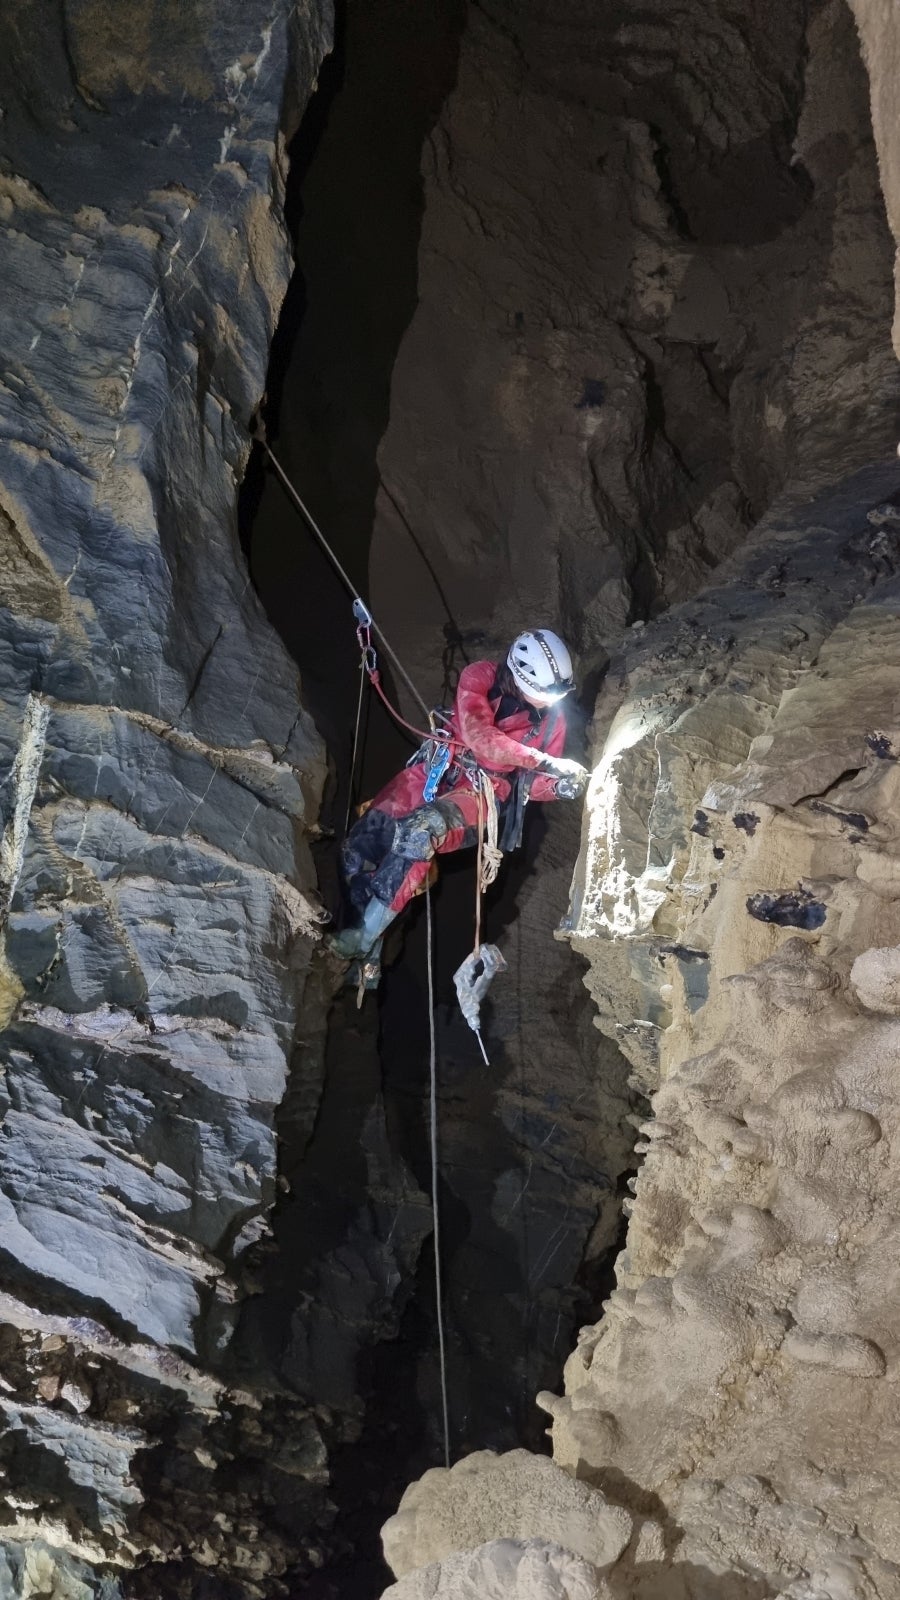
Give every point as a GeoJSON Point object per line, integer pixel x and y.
{"type": "Point", "coordinates": [795, 909]}
{"type": "Point", "coordinates": [157, 901]}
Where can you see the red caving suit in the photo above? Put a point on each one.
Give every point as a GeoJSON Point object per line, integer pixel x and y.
{"type": "Point", "coordinates": [505, 735]}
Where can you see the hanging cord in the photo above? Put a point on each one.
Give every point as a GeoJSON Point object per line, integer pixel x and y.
{"type": "Point", "coordinates": [369, 660]}
{"type": "Point", "coordinates": [370, 665]}
{"type": "Point", "coordinates": [491, 852]}
{"type": "Point", "coordinates": [353, 764]}
{"type": "Point", "coordinates": [260, 436]}
{"type": "Point", "coordinates": [479, 868]}
{"type": "Point", "coordinates": [489, 856]}
{"type": "Point", "coordinates": [438, 1293]}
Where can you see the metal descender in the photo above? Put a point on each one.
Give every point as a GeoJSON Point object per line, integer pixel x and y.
{"type": "Point", "coordinates": [472, 980]}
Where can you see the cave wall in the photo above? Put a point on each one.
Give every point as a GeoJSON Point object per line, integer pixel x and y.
{"type": "Point", "coordinates": [734, 894]}
{"type": "Point", "coordinates": [161, 783]}
{"type": "Point", "coordinates": [597, 397]}
{"type": "Point", "coordinates": [739, 1384]}
{"type": "Point", "coordinates": [602, 388]}
{"type": "Point", "coordinates": [876, 22]}
{"type": "Point", "coordinates": [650, 298]}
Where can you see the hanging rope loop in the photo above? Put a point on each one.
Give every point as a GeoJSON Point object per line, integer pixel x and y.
{"type": "Point", "coordinates": [369, 653]}
{"type": "Point", "coordinates": [492, 855]}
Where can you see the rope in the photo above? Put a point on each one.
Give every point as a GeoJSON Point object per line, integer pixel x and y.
{"type": "Point", "coordinates": [375, 680]}
{"type": "Point", "coordinates": [374, 675]}
{"type": "Point", "coordinates": [489, 859]}
{"type": "Point", "coordinates": [359, 706]}
{"type": "Point", "coordinates": [438, 1294]}
{"type": "Point", "coordinates": [489, 856]}
{"type": "Point", "coordinates": [305, 512]}
{"type": "Point", "coordinates": [491, 853]}
{"type": "Point", "coordinates": [479, 870]}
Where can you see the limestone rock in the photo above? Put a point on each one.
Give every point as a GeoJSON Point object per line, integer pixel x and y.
{"type": "Point", "coordinates": [840, 1352]}
{"type": "Point", "coordinates": [881, 50]}
{"type": "Point", "coordinates": [504, 1569]}
{"type": "Point", "coordinates": [742, 1345]}
{"type": "Point", "coordinates": [157, 897]}
{"type": "Point", "coordinates": [875, 977]}
{"type": "Point", "coordinates": [511, 1497]}
{"type": "Point", "coordinates": [596, 395]}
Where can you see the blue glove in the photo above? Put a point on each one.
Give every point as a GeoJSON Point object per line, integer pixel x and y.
{"type": "Point", "coordinates": [572, 785]}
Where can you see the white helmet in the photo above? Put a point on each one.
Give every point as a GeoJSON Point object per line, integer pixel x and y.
{"type": "Point", "coordinates": [541, 665]}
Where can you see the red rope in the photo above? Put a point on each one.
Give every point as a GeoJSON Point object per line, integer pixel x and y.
{"type": "Point", "coordinates": [375, 680]}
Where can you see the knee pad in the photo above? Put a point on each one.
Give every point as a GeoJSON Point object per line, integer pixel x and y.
{"type": "Point", "coordinates": [417, 835]}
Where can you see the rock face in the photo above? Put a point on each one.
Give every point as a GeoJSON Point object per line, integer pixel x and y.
{"type": "Point", "coordinates": [752, 946]}
{"type": "Point", "coordinates": [487, 1497]}
{"type": "Point", "coordinates": [877, 26]}
{"type": "Point", "coordinates": [599, 391]}
{"type": "Point", "coordinates": [524, 1569]}
{"type": "Point", "coordinates": [735, 892]}
{"type": "Point", "coordinates": [597, 396]}
{"type": "Point", "coordinates": [736, 899]}
{"type": "Point", "coordinates": [161, 782]}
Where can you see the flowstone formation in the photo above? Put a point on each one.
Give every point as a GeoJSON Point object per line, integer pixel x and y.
{"type": "Point", "coordinates": [160, 785]}
{"type": "Point", "coordinates": [740, 1383]}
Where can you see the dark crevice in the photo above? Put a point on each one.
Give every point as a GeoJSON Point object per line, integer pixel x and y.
{"type": "Point", "coordinates": [667, 185]}
{"type": "Point", "coordinates": [355, 209]}
{"type": "Point", "coordinates": [201, 668]}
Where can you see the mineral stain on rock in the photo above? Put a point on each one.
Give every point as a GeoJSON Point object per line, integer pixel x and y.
{"type": "Point", "coordinates": [593, 395]}
{"type": "Point", "coordinates": [797, 908]}
{"type": "Point", "coordinates": [853, 819]}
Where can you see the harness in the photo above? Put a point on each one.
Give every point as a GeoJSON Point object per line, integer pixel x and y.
{"type": "Point", "coordinates": [450, 765]}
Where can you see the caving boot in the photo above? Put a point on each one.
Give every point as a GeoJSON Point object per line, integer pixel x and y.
{"type": "Point", "coordinates": [358, 944]}
{"type": "Point", "coordinates": [364, 975]}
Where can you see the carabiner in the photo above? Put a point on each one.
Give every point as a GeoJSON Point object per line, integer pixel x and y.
{"type": "Point", "coordinates": [440, 761]}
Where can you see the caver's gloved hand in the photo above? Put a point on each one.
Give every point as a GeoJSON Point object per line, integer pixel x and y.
{"type": "Point", "coordinates": [571, 788]}
{"type": "Point", "coordinates": [571, 777]}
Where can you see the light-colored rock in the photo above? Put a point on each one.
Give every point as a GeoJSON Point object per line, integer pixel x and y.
{"type": "Point", "coordinates": [877, 23]}
{"type": "Point", "coordinates": [514, 1496]}
{"type": "Point", "coordinates": [875, 978]}
{"type": "Point", "coordinates": [839, 1352]}
{"type": "Point", "coordinates": [757, 1296]}
{"type": "Point", "coordinates": [504, 1569]}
